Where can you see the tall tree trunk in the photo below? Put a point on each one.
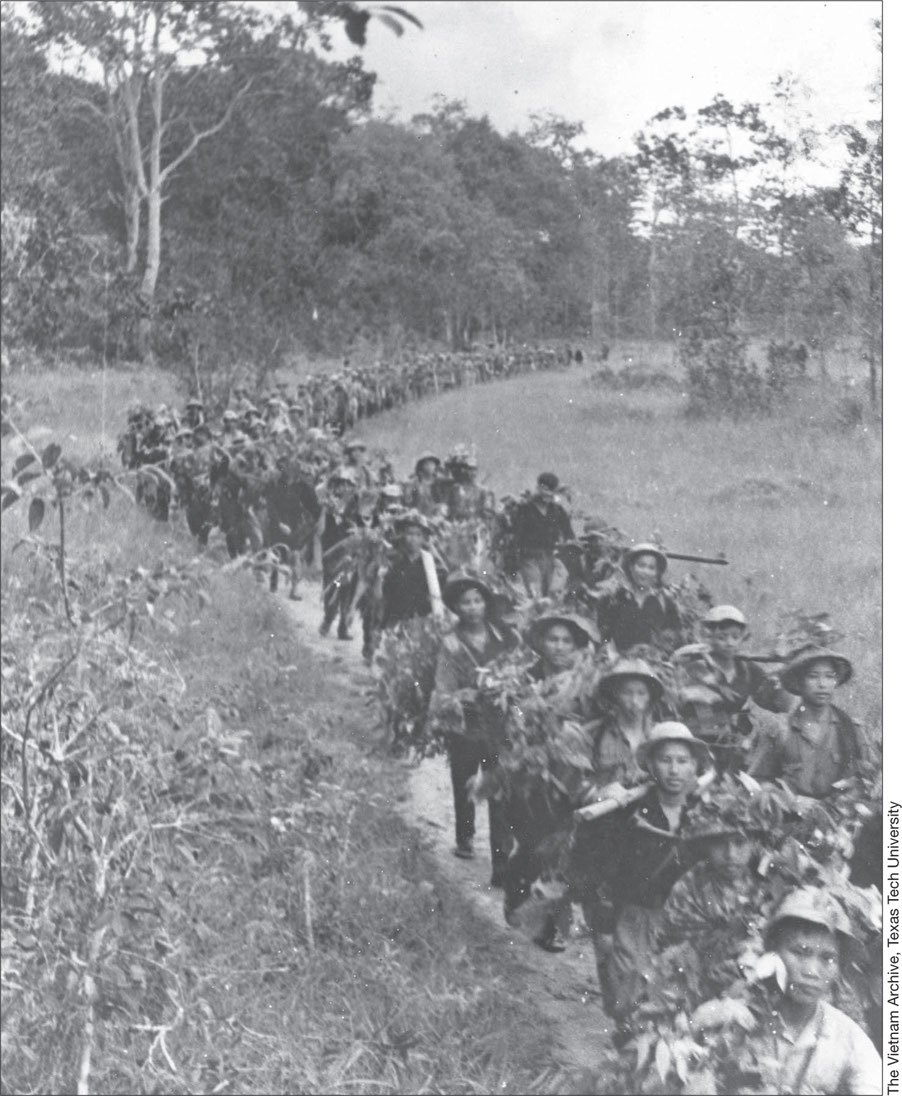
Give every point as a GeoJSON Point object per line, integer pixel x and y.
{"type": "Point", "coordinates": [652, 322]}
{"type": "Point", "coordinates": [132, 203]}
{"type": "Point", "coordinates": [154, 202]}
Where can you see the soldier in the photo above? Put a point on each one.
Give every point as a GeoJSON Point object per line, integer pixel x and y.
{"type": "Point", "coordinates": [231, 474]}
{"type": "Point", "coordinates": [338, 520]}
{"type": "Point", "coordinates": [820, 743]}
{"type": "Point", "coordinates": [407, 588]}
{"type": "Point", "coordinates": [195, 489]}
{"type": "Point", "coordinates": [229, 424]}
{"type": "Point", "coordinates": [466, 499]}
{"type": "Point", "coordinates": [292, 510]}
{"type": "Point", "coordinates": [389, 505]}
{"type": "Point", "coordinates": [354, 450]}
{"type": "Point", "coordinates": [637, 611]}
{"type": "Point", "coordinates": [537, 819]}
{"type": "Point", "coordinates": [629, 697]}
{"type": "Point", "coordinates": [540, 524]}
{"type": "Point", "coordinates": [721, 686]}
{"type": "Point", "coordinates": [194, 412]}
{"type": "Point", "coordinates": [297, 417]}
{"type": "Point", "coordinates": [642, 860]}
{"type": "Point", "coordinates": [815, 1046]}
{"type": "Point", "coordinates": [475, 642]}
{"type": "Point", "coordinates": [424, 488]}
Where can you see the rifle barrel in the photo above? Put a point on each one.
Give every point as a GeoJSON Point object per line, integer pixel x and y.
{"type": "Point", "coordinates": [717, 560]}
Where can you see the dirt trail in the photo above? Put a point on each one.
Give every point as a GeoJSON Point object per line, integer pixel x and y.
{"type": "Point", "coordinates": [564, 986]}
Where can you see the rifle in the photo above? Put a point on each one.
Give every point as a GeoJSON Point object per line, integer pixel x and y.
{"type": "Point", "coordinates": [719, 561]}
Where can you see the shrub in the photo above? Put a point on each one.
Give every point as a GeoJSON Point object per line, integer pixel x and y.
{"type": "Point", "coordinates": [720, 378]}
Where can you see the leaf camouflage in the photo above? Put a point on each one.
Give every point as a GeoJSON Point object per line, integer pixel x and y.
{"type": "Point", "coordinates": [721, 974]}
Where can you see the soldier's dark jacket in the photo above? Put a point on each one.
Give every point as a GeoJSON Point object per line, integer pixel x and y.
{"type": "Point", "coordinates": [537, 532]}
{"type": "Point", "coordinates": [622, 619]}
{"type": "Point", "coordinates": [405, 592]}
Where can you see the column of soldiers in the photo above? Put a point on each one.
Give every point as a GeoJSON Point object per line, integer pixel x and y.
{"type": "Point", "coordinates": [674, 819]}
{"type": "Point", "coordinates": [225, 474]}
{"type": "Point", "coordinates": [668, 803]}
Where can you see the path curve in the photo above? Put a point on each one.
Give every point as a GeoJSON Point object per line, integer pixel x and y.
{"type": "Point", "coordinates": [564, 986]}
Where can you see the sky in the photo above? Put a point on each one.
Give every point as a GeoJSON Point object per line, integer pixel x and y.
{"type": "Point", "coordinates": [612, 64]}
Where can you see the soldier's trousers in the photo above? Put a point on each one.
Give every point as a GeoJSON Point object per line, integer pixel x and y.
{"type": "Point", "coordinates": [537, 572]}
{"type": "Point", "coordinates": [338, 602]}
{"type": "Point", "coordinates": [467, 757]}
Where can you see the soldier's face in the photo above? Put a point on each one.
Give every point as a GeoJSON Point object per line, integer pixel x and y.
{"type": "Point", "coordinates": [414, 539]}
{"type": "Point", "coordinates": [644, 571]}
{"type": "Point", "coordinates": [819, 683]}
{"type": "Point", "coordinates": [729, 855]}
{"type": "Point", "coordinates": [559, 646]}
{"type": "Point", "coordinates": [428, 469]}
{"type": "Point", "coordinates": [633, 698]}
{"type": "Point", "coordinates": [546, 494]}
{"type": "Point", "coordinates": [673, 767]}
{"type": "Point", "coordinates": [811, 957]}
{"type": "Point", "coordinates": [471, 606]}
{"type": "Point", "coordinates": [726, 639]}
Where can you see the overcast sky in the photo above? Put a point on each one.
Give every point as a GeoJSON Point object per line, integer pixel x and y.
{"type": "Point", "coordinates": [613, 64]}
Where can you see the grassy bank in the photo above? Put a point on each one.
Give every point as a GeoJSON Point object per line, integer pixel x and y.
{"type": "Point", "coordinates": [294, 936]}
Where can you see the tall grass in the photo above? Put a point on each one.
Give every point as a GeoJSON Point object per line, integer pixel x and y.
{"type": "Point", "coordinates": [794, 500]}
{"type": "Point", "coordinates": [306, 942]}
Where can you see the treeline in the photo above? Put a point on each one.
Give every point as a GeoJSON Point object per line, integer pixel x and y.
{"type": "Point", "coordinates": [211, 187]}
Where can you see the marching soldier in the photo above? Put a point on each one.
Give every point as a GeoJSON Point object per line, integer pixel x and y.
{"type": "Point", "coordinates": [539, 525]}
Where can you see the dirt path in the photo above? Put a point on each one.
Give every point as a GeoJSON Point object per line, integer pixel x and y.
{"type": "Point", "coordinates": [564, 986]}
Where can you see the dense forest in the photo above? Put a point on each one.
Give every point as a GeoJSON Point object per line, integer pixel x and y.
{"type": "Point", "coordinates": [207, 180]}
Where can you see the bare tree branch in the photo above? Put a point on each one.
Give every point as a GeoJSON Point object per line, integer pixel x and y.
{"type": "Point", "coordinates": [204, 134]}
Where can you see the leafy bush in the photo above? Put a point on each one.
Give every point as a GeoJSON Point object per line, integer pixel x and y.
{"type": "Point", "coordinates": [405, 668]}
{"type": "Point", "coordinates": [720, 378]}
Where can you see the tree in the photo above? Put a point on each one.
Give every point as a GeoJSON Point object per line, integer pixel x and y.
{"type": "Point", "coordinates": [140, 50]}
{"type": "Point", "coordinates": [664, 170]}
{"type": "Point", "coordinates": [858, 205]}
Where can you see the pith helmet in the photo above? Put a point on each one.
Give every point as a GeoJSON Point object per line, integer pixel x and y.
{"type": "Point", "coordinates": [412, 517]}
{"type": "Point", "coordinates": [461, 581]}
{"type": "Point", "coordinates": [342, 475]}
{"type": "Point", "coordinates": [814, 905]}
{"type": "Point", "coordinates": [421, 460]}
{"type": "Point", "coordinates": [725, 614]}
{"type": "Point", "coordinates": [673, 732]}
{"type": "Point", "coordinates": [792, 677]}
{"type": "Point", "coordinates": [645, 548]}
{"type": "Point", "coordinates": [625, 669]}
{"type": "Point", "coordinates": [584, 631]}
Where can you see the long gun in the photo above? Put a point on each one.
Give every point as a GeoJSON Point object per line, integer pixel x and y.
{"type": "Point", "coordinates": [576, 546]}
{"type": "Point", "coordinates": [719, 561]}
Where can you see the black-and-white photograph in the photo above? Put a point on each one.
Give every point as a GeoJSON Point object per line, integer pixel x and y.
{"type": "Point", "coordinates": [442, 588]}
